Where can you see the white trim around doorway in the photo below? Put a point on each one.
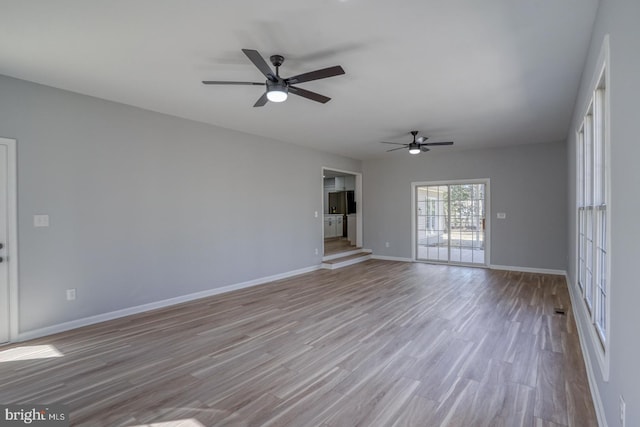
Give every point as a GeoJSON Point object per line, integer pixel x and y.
{"type": "Point", "coordinates": [12, 234]}
{"type": "Point", "coordinates": [358, 197]}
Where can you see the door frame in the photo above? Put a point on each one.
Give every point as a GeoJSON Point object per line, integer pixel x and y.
{"type": "Point", "coordinates": [12, 234]}
{"type": "Point", "coordinates": [358, 197]}
{"type": "Point", "coordinates": [487, 216]}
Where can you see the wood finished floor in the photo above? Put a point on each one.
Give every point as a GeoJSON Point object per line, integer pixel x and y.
{"type": "Point", "coordinates": [375, 344]}
{"type": "Point", "coordinates": [335, 245]}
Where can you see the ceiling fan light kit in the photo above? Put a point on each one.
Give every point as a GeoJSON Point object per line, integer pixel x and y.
{"type": "Point", "coordinates": [276, 91]}
{"type": "Point", "coordinates": [278, 88]}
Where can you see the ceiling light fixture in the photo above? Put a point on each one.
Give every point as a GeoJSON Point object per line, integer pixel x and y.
{"type": "Point", "coordinates": [414, 148]}
{"type": "Point", "coordinates": [277, 91]}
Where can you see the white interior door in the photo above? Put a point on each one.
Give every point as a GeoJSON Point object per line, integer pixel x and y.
{"type": "Point", "coordinates": [4, 269]}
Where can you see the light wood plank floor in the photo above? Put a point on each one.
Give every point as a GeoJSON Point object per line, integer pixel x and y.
{"type": "Point", "coordinates": [336, 245]}
{"type": "Point", "coordinates": [375, 344]}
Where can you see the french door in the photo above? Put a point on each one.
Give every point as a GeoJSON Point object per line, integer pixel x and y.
{"type": "Point", "coordinates": [450, 222]}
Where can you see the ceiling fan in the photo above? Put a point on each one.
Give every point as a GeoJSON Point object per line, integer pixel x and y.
{"type": "Point", "coordinates": [278, 87]}
{"type": "Point", "coordinates": [418, 145]}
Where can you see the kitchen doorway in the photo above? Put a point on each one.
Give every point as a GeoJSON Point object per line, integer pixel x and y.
{"type": "Point", "coordinates": [450, 222]}
{"type": "Point", "coordinates": [342, 211]}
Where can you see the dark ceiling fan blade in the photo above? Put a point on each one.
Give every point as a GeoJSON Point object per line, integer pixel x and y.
{"type": "Point", "coordinates": [215, 82]}
{"type": "Point", "coordinates": [259, 62]}
{"type": "Point", "coordinates": [316, 75]}
{"type": "Point", "coordinates": [438, 143]}
{"type": "Point", "coordinates": [423, 148]}
{"type": "Point", "coordinates": [309, 95]}
{"type": "Point", "coordinates": [395, 143]}
{"type": "Point", "coordinates": [261, 101]}
{"type": "Point", "coordinates": [394, 149]}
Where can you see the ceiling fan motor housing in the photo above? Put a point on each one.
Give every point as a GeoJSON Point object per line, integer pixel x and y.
{"type": "Point", "coordinates": [280, 86]}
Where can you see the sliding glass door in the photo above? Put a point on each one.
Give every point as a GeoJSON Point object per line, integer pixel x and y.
{"type": "Point", "coordinates": [450, 222]}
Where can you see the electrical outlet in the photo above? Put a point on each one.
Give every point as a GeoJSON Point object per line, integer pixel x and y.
{"type": "Point", "coordinates": [623, 410]}
{"type": "Point", "coordinates": [71, 294]}
{"type": "Point", "coordinates": [41, 220]}
{"type": "Point", "coordinates": [315, 214]}
{"type": "Point", "coordinates": [316, 251]}
{"type": "Point", "coordinates": [386, 244]}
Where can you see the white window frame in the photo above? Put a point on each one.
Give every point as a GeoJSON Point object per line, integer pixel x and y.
{"type": "Point", "coordinates": [589, 206]}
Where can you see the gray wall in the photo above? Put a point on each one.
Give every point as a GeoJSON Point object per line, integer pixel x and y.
{"type": "Point", "coordinates": [146, 207]}
{"type": "Point", "coordinates": [528, 183]}
{"type": "Point", "coordinates": [620, 20]}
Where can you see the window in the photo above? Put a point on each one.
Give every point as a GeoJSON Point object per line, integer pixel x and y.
{"type": "Point", "coordinates": [592, 200]}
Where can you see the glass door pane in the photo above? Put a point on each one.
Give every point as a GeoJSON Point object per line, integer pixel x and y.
{"type": "Point", "coordinates": [432, 221]}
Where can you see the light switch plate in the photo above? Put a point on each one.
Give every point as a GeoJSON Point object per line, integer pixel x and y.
{"type": "Point", "coordinates": [41, 220]}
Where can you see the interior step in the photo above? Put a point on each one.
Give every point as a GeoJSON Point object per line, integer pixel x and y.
{"type": "Point", "coordinates": [353, 251]}
{"type": "Point", "coordinates": [346, 258]}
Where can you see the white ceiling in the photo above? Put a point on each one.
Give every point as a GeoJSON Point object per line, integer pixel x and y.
{"type": "Point", "coordinates": [481, 73]}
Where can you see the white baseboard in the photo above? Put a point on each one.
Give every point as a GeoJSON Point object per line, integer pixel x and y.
{"type": "Point", "coordinates": [595, 395]}
{"type": "Point", "coordinates": [86, 321]}
{"type": "Point", "coordinates": [493, 267]}
{"type": "Point", "coordinates": [528, 269]}
{"type": "Point", "coordinates": [391, 258]}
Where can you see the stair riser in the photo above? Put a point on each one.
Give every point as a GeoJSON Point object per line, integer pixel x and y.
{"type": "Point", "coordinates": [346, 263]}
{"type": "Point", "coordinates": [343, 254]}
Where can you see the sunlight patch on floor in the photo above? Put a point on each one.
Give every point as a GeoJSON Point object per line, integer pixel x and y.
{"type": "Point", "coordinates": [29, 352]}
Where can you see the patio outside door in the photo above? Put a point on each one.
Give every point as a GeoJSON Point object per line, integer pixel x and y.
{"type": "Point", "coordinates": [450, 222]}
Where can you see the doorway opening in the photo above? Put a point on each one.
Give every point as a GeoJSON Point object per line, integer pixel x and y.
{"type": "Point", "coordinates": [450, 222]}
{"type": "Point", "coordinates": [342, 211]}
